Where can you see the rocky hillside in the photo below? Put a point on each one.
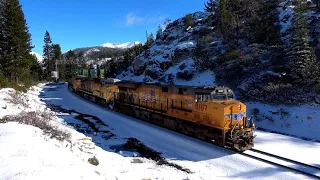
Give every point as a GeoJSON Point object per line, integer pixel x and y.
{"type": "Point", "coordinates": [171, 57]}
{"type": "Point", "coordinates": [253, 60]}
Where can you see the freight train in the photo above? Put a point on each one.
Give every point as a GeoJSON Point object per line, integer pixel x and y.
{"type": "Point", "coordinates": [208, 113]}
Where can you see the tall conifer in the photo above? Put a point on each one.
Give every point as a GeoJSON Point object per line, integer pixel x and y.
{"type": "Point", "coordinates": [159, 31]}
{"type": "Point", "coordinates": [211, 6]}
{"type": "Point", "coordinates": [302, 65]}
{"type": "Point", "coordinates": [48, 54]}
{"type": "Point", "coordinates": [15, 43]}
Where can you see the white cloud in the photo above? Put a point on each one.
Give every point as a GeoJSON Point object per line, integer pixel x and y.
{"type": "Point", "coordinates": [132, 19]}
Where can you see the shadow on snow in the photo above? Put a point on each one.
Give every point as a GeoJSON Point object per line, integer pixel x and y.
{"type": "Point", "coordinates": [104, 136]}
{"type": "Point", "coordinates": [100, 132]}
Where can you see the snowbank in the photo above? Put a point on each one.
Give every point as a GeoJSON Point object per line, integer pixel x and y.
{"type": "Point", "coordinates": [300, 121]}
{"type": "Point", "coordinates": [26, 154]}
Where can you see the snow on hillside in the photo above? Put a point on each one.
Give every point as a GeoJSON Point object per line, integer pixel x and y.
{"type": "Point", "coordinates": [98, 62]}
{"type": "Point", "coordinates": [159, 66]}
{"type": "Point", "coordinates": [121, 45]}
{"type": "Point", "coordinates": [90, 51]}
{"type": "Point", "coordinates": [286, 11]}
{"type": "Point", "coordinates": [299, 121]}
{"type": "Point", "coordinates": [200, 78]}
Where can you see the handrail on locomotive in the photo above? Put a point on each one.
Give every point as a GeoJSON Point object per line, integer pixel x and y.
{"type": "Point", "coordinates": [245, 120]}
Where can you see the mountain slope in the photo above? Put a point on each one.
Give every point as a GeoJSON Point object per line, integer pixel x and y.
{"type": "Point", "coordinates": [192, 50]}
{"type": "Point", "coordinates": [172, 57]}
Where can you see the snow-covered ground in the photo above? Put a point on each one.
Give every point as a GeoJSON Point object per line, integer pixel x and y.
{"type": "Point", "coordinates": [26, 153]}
{"type": "Point", "coordinates": [288, 147]}
{"type": "Point", "coordinates": [300, 121]}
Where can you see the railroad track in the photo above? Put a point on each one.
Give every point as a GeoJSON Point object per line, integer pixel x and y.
{"type": "Point", "coordinates": [306, 169]}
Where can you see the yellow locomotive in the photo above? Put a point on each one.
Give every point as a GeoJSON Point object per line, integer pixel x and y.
{"type": "Point", "coordinates": [208, 113]}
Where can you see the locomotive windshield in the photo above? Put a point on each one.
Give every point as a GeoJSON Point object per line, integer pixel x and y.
{"type": "Point", "coordinates": [219, 97]}
{"type": "Point", "coordinates": [222, 94]}
{"type": "Point", "coordinates": [230, 96]}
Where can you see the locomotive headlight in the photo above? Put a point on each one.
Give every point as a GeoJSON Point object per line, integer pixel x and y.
{"type": "Point", "coordinates": [241, 127]}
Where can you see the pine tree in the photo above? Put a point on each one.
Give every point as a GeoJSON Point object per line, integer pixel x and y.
{"type": "Point", "coordinates": [2, 39]}
{"type": "Point", "coordinates": [159, 31]}
{"type": "Point", "coordinates": [36, 70]}
{"type": "Point", "coordinates": [210, 21]}
{"type": "Point", "coordinates": [200, 60]}
{"type": "Point", "coordinates": [70, 65]}
{"type": "Point", "coordinates": [225, 18]}
{"type": "Point", "coordinates": [48, 60]}
{"type": "Point", "coordinates": [58, 59]}
{"type": "Point", "coordinates": [261, 26]}
{"type": "Point", "coordinates": [301, 62]}
{"type": "Point", "coordinates": [211, 6]}
{"type": "Point", "coordinates": [317, 3]}
{"type": "Point", "coordinates": [56, 50]}
{"type": "Point", "coordinates": [150, 39]}
{"type": "Point", "coordinates": [188, 20]}
{"type": "Point", "coordinates": [15, 43]}
{"type": "Point", "coordinates": [166, 22]}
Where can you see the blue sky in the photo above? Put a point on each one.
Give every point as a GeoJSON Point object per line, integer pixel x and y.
{"type": "Point", "coordinates": [84, 23]}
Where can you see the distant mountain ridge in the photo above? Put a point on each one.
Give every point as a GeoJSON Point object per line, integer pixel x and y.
{"type": "Point", "coordinates": [102, 53]}
{"type": "Point", "coordinates": [121, 45]}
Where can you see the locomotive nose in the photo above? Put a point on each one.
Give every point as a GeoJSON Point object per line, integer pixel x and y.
{"type": "Point", "coordinates": [236, 112]}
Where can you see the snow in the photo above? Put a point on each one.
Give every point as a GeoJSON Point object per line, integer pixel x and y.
{"type": "Point", "coordinates": [179, 41]}
{"type": "Point", "coordinates": [301, 121]}
{"type": "Point", "coordinates": [98, 62]}
{"type": "Point", "coordinates": [291, 148]}
{"type": "Point", "coordinates": [27, 153]}
{"type": "Point", "coordinates": [284, 162]}
{"type": "Point", "coordinates": [206, 78]}
{"type": "Point", "coordinates": [188, 44]}
{"type": "Point", "coordinates": [90, 51]}
{"type": "Point", "coordinates": [121, 45]}
{"type": "Point", "coordinates": [132, 77]}
{"type": "Point", "coordinates": [201, 15]}
{"type": "Point", "coordinates": [285, 15]}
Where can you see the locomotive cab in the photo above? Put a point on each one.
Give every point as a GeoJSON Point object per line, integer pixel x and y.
{"type": "Point", "coordinates": [222, 94]}
{"type": "Point", "coordinates": [240, 134]}
{"type": "Point", "coordinates": [232, 118]}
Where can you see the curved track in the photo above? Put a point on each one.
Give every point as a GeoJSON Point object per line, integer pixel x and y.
{"type": "Point", "coordinates": [306, 169]}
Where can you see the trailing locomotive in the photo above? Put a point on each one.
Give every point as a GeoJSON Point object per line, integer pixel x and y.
{"type": "Point", "coordinates": [208, 113]}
